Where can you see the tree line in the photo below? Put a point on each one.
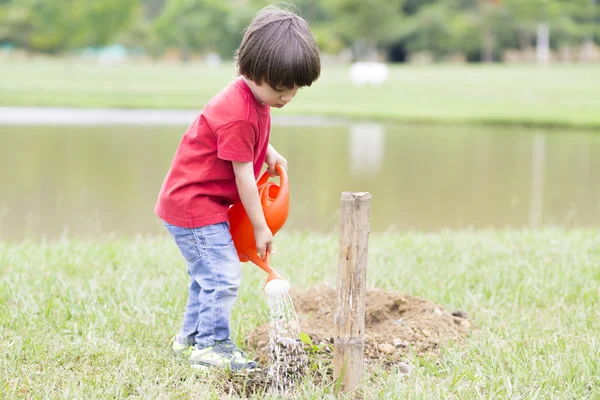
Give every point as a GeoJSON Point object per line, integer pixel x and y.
{"type": "Point", "coordinates": [477, 29]}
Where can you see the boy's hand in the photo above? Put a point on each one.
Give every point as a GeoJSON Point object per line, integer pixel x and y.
{"type": "Point", "coordinates": [273, 158]}
{"type": "Point", "coordinates": [264, 241]}
{"type": "Point", "coordinates": [246, 185]}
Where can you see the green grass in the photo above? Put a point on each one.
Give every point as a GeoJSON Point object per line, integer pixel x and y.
{"type": "Point", "coordinates": [81, 319]}
{"type": "Point", "coordinates": [556, 95]}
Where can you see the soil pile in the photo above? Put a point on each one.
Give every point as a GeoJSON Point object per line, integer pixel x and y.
{"type": "Point", "coordinates": [394, 324]}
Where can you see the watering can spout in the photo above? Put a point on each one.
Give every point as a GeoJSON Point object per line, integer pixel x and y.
{"type": "Point", "coordinates": [275, 283]}
{"type": "Point", "coordinates": [273, 275]}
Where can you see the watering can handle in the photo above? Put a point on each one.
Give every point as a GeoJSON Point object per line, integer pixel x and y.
{"type": "Point", "coordinates": [280, 171]}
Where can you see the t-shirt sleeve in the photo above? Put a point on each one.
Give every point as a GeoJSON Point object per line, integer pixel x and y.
{"type": "Point", "coordinates": [235, 141]}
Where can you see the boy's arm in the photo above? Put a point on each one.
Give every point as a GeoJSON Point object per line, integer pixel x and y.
{"type": "Point", "coordinates": [246, 185]}
{"type": "Point", "coordinates": [273, 158]}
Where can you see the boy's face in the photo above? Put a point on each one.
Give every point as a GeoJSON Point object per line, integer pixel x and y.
{"type": "Point", "coordinates": [274, 97]}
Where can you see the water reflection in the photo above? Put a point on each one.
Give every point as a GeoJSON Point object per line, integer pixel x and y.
{"type": "Point", "coordinates": [366, 149]}
{"type": "Point", "coordinates": [87, 180]}
{"type": "Point", "coordinates": [538, 155]}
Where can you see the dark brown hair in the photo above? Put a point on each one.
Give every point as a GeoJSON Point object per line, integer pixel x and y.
{"type": "Point", "coordinates": [279, 48]}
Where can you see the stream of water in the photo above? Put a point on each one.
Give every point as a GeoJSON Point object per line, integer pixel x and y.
{"type": "Point", "coordinates": [287, 356]}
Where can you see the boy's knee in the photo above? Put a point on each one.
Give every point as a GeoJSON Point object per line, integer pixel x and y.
{"type": "Point", "coordinates": [232, 288]}
{"type": "Point", "coordinates": [236, 282]}
{"type": "Point", "coordinates": [232, 277]}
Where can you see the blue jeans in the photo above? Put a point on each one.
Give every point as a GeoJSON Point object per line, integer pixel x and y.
{"type": "Point", "coordinates": [215, 276]}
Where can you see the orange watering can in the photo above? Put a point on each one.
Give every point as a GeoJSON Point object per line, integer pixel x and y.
{"type": "Point", "coordinates": [275, 201]}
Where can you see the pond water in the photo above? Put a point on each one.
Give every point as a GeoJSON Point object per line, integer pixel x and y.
{"type": "Point", "coordinates": [88, 181]}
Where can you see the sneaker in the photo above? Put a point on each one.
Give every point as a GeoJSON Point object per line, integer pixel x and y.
{"type": "Point", "coordinates": [179, 347]}
{"type": "Point", "coordinates": [222, 354]}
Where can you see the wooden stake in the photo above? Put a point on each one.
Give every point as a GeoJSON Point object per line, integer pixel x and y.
{"type": "Point", "coordinates": [349, 341]}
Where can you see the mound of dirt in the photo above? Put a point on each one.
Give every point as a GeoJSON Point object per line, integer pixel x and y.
{"type": "Point", "coordinates": [395, 324]}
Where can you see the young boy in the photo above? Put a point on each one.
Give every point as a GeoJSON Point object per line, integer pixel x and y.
{"type": "Point", "coordinates": [217, 163]}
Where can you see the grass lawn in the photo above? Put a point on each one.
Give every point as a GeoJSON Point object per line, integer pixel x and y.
{"type": "Point", "coordinates": [555, 95]}
{"type": "Point", "coordinates": [81, 319]}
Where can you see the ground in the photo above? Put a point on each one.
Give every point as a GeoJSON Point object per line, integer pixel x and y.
{"type": "Point", "coordinates": [394, 323]}
{"type": "Point", "coordinates": [94, 319]}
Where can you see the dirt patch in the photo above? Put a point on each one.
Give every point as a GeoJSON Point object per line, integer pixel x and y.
{"type": "Point", "coordinates": [395, 324]}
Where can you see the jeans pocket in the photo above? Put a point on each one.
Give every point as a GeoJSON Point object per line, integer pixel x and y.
{"type": "Point", "coordinates": [187, 242]}
{"type": "Point", "coordinates": [217, 236]}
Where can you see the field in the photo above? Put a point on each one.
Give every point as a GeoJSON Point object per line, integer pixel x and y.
{"type": "Point", "coordinates": [555, 95]}
{"type": "Point", "coordinates": [83, 319]}
{"type": "Point", "coordinates": [93, 318]}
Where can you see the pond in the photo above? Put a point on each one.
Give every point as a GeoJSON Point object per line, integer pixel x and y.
{"type": "Point", "coordinates": [91, 181]}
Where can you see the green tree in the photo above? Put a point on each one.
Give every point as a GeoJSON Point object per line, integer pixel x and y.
{"type": "Point", "coordinates": [454, 26]}
{"type": "Point", "coordinates": [54, 26]}
{"type": "Point", "coordinates": [528, 15]}
{"type": "Point", "coordinates": [15, 25]}
{"type": "Point", "coordinates": [198, 26]}
{"type": "Point", "coordinates": [152, 8]}
{"type": "Point", "coordinates": [567, 22]}
{"type": "Point", "coordinates": [365, 25]}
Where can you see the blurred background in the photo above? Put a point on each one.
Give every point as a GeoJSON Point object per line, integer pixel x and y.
{"type": "Point", "coordinates": [454, 114]}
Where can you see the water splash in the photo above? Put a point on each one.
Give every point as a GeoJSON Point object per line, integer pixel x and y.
{"type": "Point", "coordinates": [287, 355]}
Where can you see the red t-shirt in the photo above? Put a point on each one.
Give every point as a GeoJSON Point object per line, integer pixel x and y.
{"type": "Point", "coordinates": [200, 185]}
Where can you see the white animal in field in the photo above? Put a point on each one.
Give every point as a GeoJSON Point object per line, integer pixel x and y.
{"type": "Point", "coordinates": [370, 72]}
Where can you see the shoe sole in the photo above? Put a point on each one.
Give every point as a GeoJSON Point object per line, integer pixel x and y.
{"type": "Point", "coordinates": [202, 366]}
{"type": "Point", "coordinates": [206, 366]}
{"type": "Point", "coordinates": [178, 354]}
